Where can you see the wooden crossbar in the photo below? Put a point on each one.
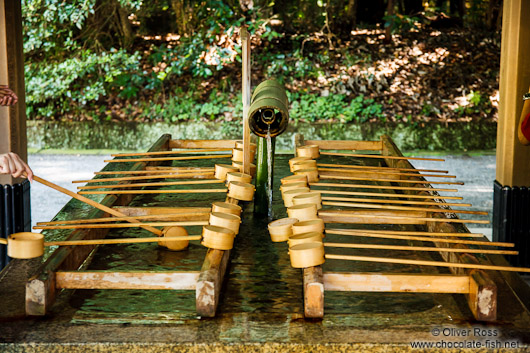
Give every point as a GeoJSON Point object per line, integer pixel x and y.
{"type": "Point", "coordinates": [396, 282]}
{"type": "Point", "coordinates": [126, 280]}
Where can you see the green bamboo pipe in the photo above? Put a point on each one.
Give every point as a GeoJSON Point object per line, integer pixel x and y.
{"type": "Point", "coordinates": [261, 198]}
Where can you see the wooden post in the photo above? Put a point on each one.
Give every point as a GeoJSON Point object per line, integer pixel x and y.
{"type": "Point", "coordinates": [482, 298]}
{"type": "Point", "coordinates": [513, 159]}
{"type": "Point", "coordinates": [210, 281]}
{"type": "Point", "coordinates": [245, 43]}
{"type": "Point", "coordinates": [313, 292]}
{"type": "Point", "coordinates": [13, 118]}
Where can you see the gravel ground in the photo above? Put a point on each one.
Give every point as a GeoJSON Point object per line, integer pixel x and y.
{"type": "Point", "coordinates": [477, 172]}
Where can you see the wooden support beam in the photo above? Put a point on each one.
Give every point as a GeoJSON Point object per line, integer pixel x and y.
{"type": "Point", "coordinates": [482, 298]}
{"type": "Point", "coordinates": [513, 168]}
{"type": "Point", "coordinates": [396, 282]}
{"type": "Point", "coordinates": [313, 292]}
{"type": "Point", "coordinates": [210, 281]}
{"type": "Point", "coordinates": [40, 288]}
{"type": "Point", "coordinates": [12, 119]}
{"type": "Point", "coordinates": [126, 280]}
{"type": "Point", "coordinates": [345, 145]}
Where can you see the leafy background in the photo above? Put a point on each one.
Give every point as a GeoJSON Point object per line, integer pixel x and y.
{"type": "Point", "coordinates": [352, 61]}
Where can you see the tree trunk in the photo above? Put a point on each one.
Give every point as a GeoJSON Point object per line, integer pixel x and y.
{"type": "Point", "coordinates": [388, 29]}
{"type": "Point", "coordinates": [181, 16]}
{"type": "Point", "coordinates": [493, 13]}
{"type": "Point", "coordinates": [128, 35]}
{"type": "Point", "coordinates": [352, 13]}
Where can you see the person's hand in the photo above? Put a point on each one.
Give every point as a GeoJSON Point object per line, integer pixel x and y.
{"type": "Point", "coordinates": [7, 96]}
{"type": "Point", "coordinates": [11, 163]}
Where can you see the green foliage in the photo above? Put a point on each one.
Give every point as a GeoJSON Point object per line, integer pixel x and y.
{"type": "Point", "coordinates": [476, 13]}
{"type": "Point", "coordinates": [312, 108]}
{"type": "Point", "coordinates": [479, 104]}
{"type": "Point", "coordinates": [401, 23]}
{"type": "Point", "coordinates": [84, 58]}
{"type": "Point", "coordinates": [49, 24]}
{"type": "Point", "coordinates": [52, 87]}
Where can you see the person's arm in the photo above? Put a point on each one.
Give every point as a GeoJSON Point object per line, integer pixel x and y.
{"type": "Point", "coordinates": [7, 96]}
{"type": "Point", "coordinates": [11, 163]}
{"type": "Point", "coordinates": [523, 132]}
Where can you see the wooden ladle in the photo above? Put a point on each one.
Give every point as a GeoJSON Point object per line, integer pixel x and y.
{"type": "Point", "coordinates": [27, 245]}
{"type": "Point", "coordinates": [101, 207]}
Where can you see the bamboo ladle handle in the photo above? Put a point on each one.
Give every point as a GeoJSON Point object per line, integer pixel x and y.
{"type": "Point", "coordinates": [95, 204]}
{"type": "Point", "coordinates": [119, 241]}
{"type": "Point", "coordinates": [426, 263]}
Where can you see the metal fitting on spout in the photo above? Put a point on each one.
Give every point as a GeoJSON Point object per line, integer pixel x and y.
{"type": "Point", "coordinates": [268, 113]}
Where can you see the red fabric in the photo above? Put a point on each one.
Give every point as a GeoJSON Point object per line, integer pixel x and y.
{"type": "Point", "coordinates": [525, 127]}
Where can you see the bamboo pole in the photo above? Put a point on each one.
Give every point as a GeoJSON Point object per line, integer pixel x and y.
{"type": "Point", "coordinates": [383, 173]}
{"type": "Point", "coordinates": [403, 202]}
{"type": "Point", "coordinates": [183, 169]}
{"type": "Point", "coordinates": [146, 177]}
{"type": "Point", "coordinates": [408, 232]}
{"type": "Point", "coordinates": [167, 158]}
{"type": "Point", "coordinates": [420, 238]}
{"type": "Point", "coordinates": [380, 156]}
{"type": "Point", "coordinates": [420, 248]}
{"type": "Point", "coordinates": [426, 263]}
{"type": "Point", "coordinates": [387, 218]}
{"type": "Point", "coordinates": [245, 87]}
{"type": "Point", "coordinates": [125, 225]}
{"type": "Point", "coordinates": [161, 153]}
{"type": "Point", "coordinates": [160, 171]}
{"type": "Point", "coordinates": [342, 177]}
{"type": "Point", "coordinates": [94, 204]}
{"type": "Point", "coordinates": [164, 183]}
{"type": "Point", "coordinates": [391, 187]}
{"type": "Point", "coordinates": [115, 219]}
{"type": "Point", "coordinates": [418, 170]}
{"type": "Point", "coordinates": [403, 208]}
{"type": "Point", "coordinates": [377, 194]}
{"type": "Point", "coordinates": [119, 241]}
{"type": "Point", "coordinates": [182, 191]}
